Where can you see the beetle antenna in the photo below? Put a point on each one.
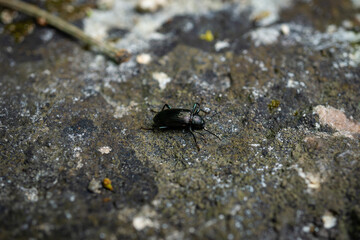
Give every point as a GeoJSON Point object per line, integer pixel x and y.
{"type": "Point", "coordinates": [212, 133]}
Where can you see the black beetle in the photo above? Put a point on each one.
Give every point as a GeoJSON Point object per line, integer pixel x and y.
{"type": "Point", "coordinates": [179, 118]}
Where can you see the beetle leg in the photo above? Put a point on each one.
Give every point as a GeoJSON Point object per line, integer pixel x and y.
{"type": "Point", "coordinates": [197, 146]}
{"type": "Point", "coordinates": [202, 135]}
{"type": "Point", "coordinates": [165, 105]}
{"type": "Point", "coordinates": [197, 109]}
{"type": "Point", "coordinates": [212, 133]}
{"type": "Point", "coordinates": [182, 162]}
{"type": "Point", "coordinates": [202, 110]}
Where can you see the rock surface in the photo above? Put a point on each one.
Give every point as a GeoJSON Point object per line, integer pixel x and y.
{"type": "Point", "coordinates": [281, 93]}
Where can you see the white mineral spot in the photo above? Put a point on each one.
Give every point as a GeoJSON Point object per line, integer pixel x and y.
{"type": "Point", "coordinates": [79, 164]}
{"type": "Point", "coordinates": [329, 220]}
{"type": "Point", "coordinates": [32, 75]}
{"type": "Point", "coordinates": [96, 30]}
{"type": "Point", "coordinates": [264, 36]}
{"type": "Point", "coordinates": [355, 56]}
{"type": "Point", "coordinates": [46, 72]}
{"type": "Point", "coordinates": [68, 215]}
{"type": "Point", "coordinates": [254, 145]}
{"type": "Point", "coordinates": [150, 5]}
{"type": "Point", "coordinates": [47, 35]}
{"type": "Point", "coordinates": [31, 194]}
{"type": "Point", "coordinates": [294, 84]}
{"type": "Point", "coordinates": [141, 222]}
{"type": "Point", "coordinates": [308, 228]}
{"type": "Point", "coordinates": [121, 110]}
{"type": "Point", "coordinates": [312, 180]}
{"type": "Point", "coordinates": [143, 58]}
{"type": "Point", "coordinates": [235, 209]}
{"type": "Point", "coordinates": [188, 27]}
{"type": "Point", "coordinates": [105, 4]}
{"type": "Point", "coordinates": [105, 150]}
{"type": "Point", "coordinates": [162, 79]}
{"type": "Point", "coordinates": [219, 45]}
{"type": "Point", "coordinates": [356, 3]}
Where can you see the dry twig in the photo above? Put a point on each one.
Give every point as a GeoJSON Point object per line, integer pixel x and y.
{"type": "Point", "coordinates": [118, 55]}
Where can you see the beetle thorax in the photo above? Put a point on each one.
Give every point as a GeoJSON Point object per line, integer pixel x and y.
{"type": "Point", "coordinates": [197, 122]}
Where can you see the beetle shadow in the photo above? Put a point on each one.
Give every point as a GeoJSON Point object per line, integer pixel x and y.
{"type": "Point", "coordinates": [181, 130]}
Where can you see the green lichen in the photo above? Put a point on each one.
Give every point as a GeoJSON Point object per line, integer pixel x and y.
{"type": "Point", "coordinates": [19, 30]}
{"type": "Point", "coordinates": [274, 104]}
{"type": "Point", "coordinates": [69, 9]}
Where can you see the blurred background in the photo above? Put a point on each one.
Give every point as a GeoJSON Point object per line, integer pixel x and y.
{"type": "Point", "coordinates": [280, 81]}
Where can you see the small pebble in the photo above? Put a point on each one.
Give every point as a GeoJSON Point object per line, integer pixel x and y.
{"type": "Point", "coordinates": [162, 78]}
{"type": "Point", "coordinates": [285, 30]}
{"type": "Point", "coordinates": [141, 222]}
{"type": "Point", "coordinates": [105, 150]}
{"type": "Point", "coordinates": [221, 45]}
{"type": "Point", "coordinates": [143, 58]}
{"type": "Point", "coordinates": [94, 186]}
{"type": "Point", "coordinates": [41, 21]}
{"type": "Point", "coordinates": [329, 220]}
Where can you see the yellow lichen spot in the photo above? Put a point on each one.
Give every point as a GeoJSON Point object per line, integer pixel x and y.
{"type": "Point", "coordinates": [208, 36]}
{"type": "Point", "coordinates": [107, 184]}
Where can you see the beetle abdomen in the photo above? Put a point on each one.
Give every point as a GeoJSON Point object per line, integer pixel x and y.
{"type": "Point", "coordinates": [172, 118]}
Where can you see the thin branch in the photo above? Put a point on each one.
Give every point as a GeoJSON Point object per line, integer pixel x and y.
{"type": "Point", "coordinates": [118, 55]}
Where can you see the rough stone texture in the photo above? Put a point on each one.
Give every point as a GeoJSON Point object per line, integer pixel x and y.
{"type": "Point", "coordinates": [69, 117]}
